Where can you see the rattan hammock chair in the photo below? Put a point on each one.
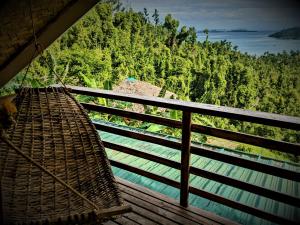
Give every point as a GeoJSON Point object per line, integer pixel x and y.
{"type": "Point", "coordinates": [53, 166]}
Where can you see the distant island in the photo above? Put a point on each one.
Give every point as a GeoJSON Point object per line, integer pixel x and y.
{"type": "Point", "coordinates": [224, 30]}
{"type": "Point", "coordinates": [241, 30]}
{"type": "Point", "coordinates": [291, 33]}
{"type": "Point", "coordinates": [217, 30]}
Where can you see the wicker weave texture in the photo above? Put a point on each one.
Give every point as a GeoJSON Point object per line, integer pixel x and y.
{"type": "Point", "coordinates": [53, 129]}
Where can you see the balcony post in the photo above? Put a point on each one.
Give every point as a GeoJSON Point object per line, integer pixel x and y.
{"type": "Point", "coordinates": [185, 157]}
{"type": "Point", "coordinates": [1, 207]}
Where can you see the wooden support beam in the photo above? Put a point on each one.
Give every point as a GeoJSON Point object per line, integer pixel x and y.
{"type": "Point", "coordinates": [144, 173]}
{"type": "Point", "coordinates": [144, 155]}
{"type": "Point", "coordinates": [246, 163]}
{"type": "Point", "coordinates": [271, 119]}
{"type": "Point", "coordinates": [205, 151]}
{"type": "Point", "coordinates": [133, 115]}
{"type": "Point", "coordinates": [273, 194]}
{"type": "Point", "coordinates": [282, 146]}
{"type": "Point", "coordinates": [139, 136]}
{"type": "Point", "coordinates": [292, 148]}
{"type": "Point", "coordinates": [185, 157]}
{"type": "Point", "coordinates": [277, 219]}
{"type": "Point", "coordinates": [216, 198]}
{"type": "Point", "coordinates": [113, 211]}
{"type": "Point", "coordinates": [1, 205]}
{"type": "Point", "coordinates": [48, 35]}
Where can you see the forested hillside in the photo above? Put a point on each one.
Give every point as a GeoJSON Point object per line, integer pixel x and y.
{"type": "Point", "coordinates": [290, 33]}
{"type": "Point", "coordinates": [110, 44]}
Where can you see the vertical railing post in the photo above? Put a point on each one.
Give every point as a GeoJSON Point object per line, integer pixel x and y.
{"type": "Point", "coordinates": [1, 207]}
{"type": "Point", "coordinates": [185, 157]}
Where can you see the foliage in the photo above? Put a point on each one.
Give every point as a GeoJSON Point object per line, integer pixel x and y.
{"type": "Point", "coordinates": [111, 43]}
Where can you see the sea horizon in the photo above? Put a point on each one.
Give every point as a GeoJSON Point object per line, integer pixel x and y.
{"type": "Point", "coordinates": [252, 42]}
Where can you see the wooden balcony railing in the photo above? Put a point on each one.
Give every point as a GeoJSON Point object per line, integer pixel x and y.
{"type": "Point", "coordinates": [187, 148]}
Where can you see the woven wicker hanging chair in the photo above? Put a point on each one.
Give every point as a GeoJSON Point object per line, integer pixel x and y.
{"type": "Point", "coordinates": [53, 166]}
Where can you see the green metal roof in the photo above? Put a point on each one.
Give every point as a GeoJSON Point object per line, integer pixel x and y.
{"type": "Point", "coordinates": [247, 175]}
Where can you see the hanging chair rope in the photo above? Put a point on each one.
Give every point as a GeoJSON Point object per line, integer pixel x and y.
{"type": "Point", "coordinates": [35, 42]}
{"type": "Point", "coordinates": [3, 136]}
{"type": "Point", "coordinates": [32, 161]}
{"type": "Point", "coordinates": [99, 212]}
{"type": "Point", "coordinates": [39, 49]}
{"type": "Point", "coordinates": [24, 77]}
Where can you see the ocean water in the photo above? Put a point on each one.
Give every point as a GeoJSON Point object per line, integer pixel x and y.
{"type": "Point", "coordinates": [254, 43]}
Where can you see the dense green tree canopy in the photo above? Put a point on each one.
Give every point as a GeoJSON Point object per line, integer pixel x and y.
{"type": "Point", "coordinates": [110, 44]}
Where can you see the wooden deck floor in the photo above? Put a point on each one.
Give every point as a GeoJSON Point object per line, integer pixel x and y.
{"type": "Point", "coordinates": [150, 208]}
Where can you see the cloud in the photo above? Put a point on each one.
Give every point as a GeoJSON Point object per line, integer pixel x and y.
{"type": "Point", "coordinates": [229, 14]}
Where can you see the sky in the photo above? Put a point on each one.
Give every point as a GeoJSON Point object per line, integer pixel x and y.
{"type": "Point", "coordinates": [270, 15]}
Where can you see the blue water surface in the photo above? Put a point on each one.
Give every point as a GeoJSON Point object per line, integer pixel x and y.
{"type": "Point", "coordinates": [254, 43]}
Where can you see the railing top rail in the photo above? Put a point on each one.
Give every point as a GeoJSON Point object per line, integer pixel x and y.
{"type": "Point", "coordinates": [201, 108]}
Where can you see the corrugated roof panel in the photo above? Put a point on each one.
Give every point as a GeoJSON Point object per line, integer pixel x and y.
{"type": "Point", "coordinates": [198, 201]}
{"type": "Point", "coordinates": [247, 175]}
{"type": "Point", "coordinates": [200, 162]}
{"type": "Point", "coordinates": [198, 182]}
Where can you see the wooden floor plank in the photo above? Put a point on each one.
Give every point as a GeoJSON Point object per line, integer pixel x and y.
{"type": "Point", "coordinates": [141, 208]}
{"type": "Point", "coordinates": [179, 211]}
{"type": "Point", "coordinates": [195, 214]}
{"type": "Point", "coordinates": [152, 208]}
{"type": "Point", "coordinates": [159, 209]}
{"type": "Point", "coordinates": [165, 215]}
{"type": "Point", "coordinates": [139, 219]}
{"type": "Point", "coordinates": [124, 220]}
{"type": "Point", "coordinates": [110, 222]}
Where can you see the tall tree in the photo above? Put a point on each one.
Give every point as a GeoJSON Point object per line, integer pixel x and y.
{"type": "Point", "coordinates": [146, 14]}
{"type": "Point", "coordinates": [171, 25]}
{"type": "Point", "coordinates": [156, 17]}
